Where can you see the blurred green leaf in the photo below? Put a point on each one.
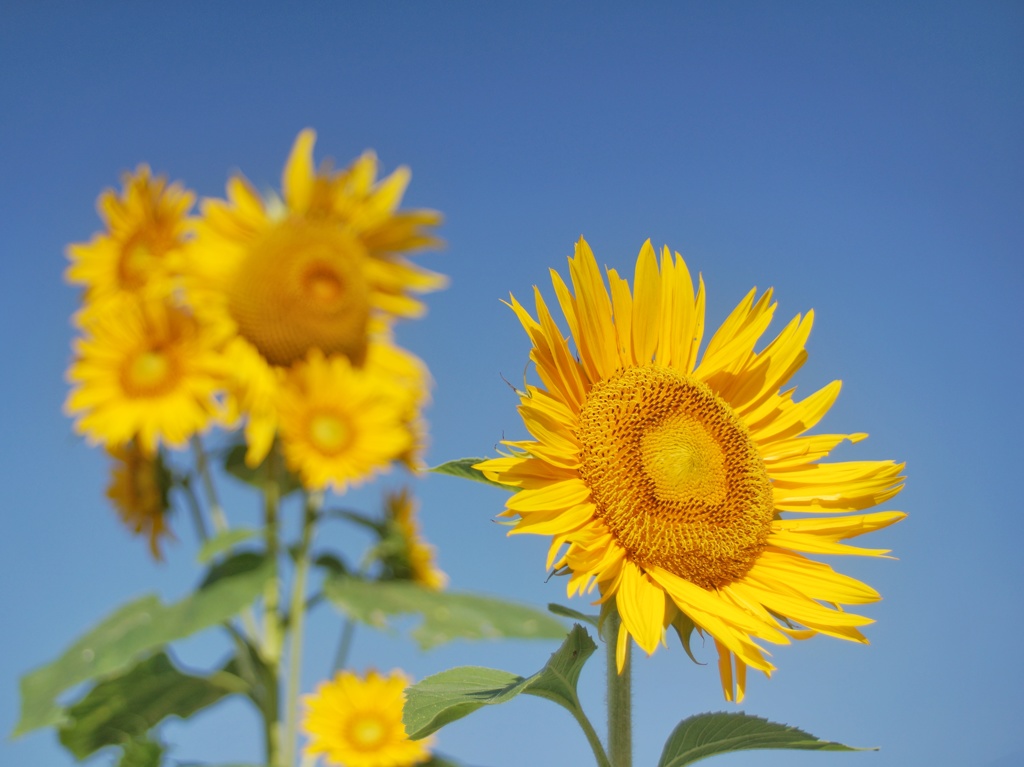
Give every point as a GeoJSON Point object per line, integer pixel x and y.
{"type": "Point", "coordinates": [224, 542]}
{"type": "Point", "coordinates": [447, 615]}
{"type": "Point", "coordinates": [135, 630]}
{"type": "Point", "coordinates": [141, 753]}
{"type": "Point", "coordinates": [331, 564]}
{"type": "Point", "coordinates": [259, 476]}
{"type": "Point", "coordinates": [568, 612]}
{"type": "Point", "coordinates": [453, 694]}
{"type": "Point", "coordinates": [127, 706]}
{"type": "Point", "coordinates": [463, 467]}
{"type": "Point", "coordinates": [705, 735]}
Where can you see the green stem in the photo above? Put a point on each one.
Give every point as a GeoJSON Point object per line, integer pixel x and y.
{"type": "Point", "coordinates": [344, 645]}
{"type": "Point", "coordinates": [194, 508]}
{"type": "Point", "coordinates": [220, 520]}
{"type": "Point", "coordinates": [296, 624]}
{"type": "Point", "coordinates": [273, 633]}
{"type": "Point", "coordinates": [620, 705]}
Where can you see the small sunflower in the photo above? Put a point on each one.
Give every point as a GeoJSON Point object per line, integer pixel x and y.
{"type": "Point", "coordinates": [322, 268]}
{"type": "Point", "coordinates": [357, 722]}
{"type": "Point", "coordinates": [340, 425]}
{"type": "Point", "coordinates": [147, 371]}
{"type": "Point", "coordinates": [416, 559]}
{"type": "Point", "coordinates": [141, 249]}
{"type": "Point", "coordinates": [139, 484]}
{"type": "Point", "coordinates": [663, 475]}
{"type": "Point", "coordinates": [409, 372]}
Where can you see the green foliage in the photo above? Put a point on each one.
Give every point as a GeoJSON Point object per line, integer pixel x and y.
{"type": "Point", "coordinates": [705, 735]}
{"type": "Point", "coordinates": [127, 706]}
{"type": "Point", "coordinates": [136, 630]}
{"type": "Point", "coordinates": [568, 612]}
{"type": "Point", "coordinates": [447, 615]}
{"type": "Point", "coordinates": [141, 753]}
{"type": "Point", "coordinates": [260, 476]}
{"type": "Point", "coordinates": [463, 467]}
{"type": "Point", "coordinates": [224, 542]}
{"type": "Point", "coordinates": [453, 694]}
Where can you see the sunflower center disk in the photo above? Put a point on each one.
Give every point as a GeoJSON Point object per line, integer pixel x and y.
{"type": "Point", "coordinates": [329, 433]}
{"type": "Point", "coordinates": [367, 733]}
{"type": "Point", "coordinates": [304, 286]}
{"type": "Point", "coordinates": [148, 372]}
{"type": "Point", "coordinates": [675, 476]}
{"type": "Point", "coordinates": [137, 262]}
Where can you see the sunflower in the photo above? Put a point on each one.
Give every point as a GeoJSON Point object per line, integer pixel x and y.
{"type": "Point", "coordinates": [357, 722]}
{"type": "Point", "coordinates": [321, 268]}
{"type": "Point", "coordinates": [662, 475]}
{"type": "Point", "coordinates": [147, 371]}
{"type": "Point", "coordinates": [138, 489]}
{"type": "Point", "coordinates": [141, 249]}
{"type": "Point", "coordinates": [340, 425]}
{"type": "Point", "coordinates": [416, 559]}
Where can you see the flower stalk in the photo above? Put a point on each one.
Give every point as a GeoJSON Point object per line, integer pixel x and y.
{"type": "Point", "coordinates": [620, 697]}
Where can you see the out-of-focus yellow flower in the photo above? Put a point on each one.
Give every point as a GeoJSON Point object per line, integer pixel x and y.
{"type": "Point", "coordinates": [340, 425]}
{"type": "Point", "coordinates": [322, 268]}
{"type": "Point", "coordinates": [147, 372]}
{"type": "Point", "coordinates": [138, 489]}
{"type": "Point", "coordinates": [140, 252]}
{"type": "Point", "coordinates": [662, 475]}
{"type": "Point", "coordinates": [357, 722]}
{"type": "Point", "coordinates": [416, 557]}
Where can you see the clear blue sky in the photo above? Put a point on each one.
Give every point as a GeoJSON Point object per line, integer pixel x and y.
{"type": "Point", "coordinates": [865, 159]}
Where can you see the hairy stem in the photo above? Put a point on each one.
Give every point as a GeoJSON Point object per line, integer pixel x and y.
{"type": "Point", "coordinates": [620, 705]}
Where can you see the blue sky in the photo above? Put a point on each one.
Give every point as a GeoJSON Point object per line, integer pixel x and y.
{"type": "Point", "coordinates": [865, 159]}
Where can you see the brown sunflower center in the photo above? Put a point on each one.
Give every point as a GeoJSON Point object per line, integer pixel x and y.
{"type": "Point", "coordinates": [149, 372]}
{"type": "Point", "coordinates": [366, 732]}
{"type": "Point", "coordinates": [303, 286]}
{"type": "Point", "coordinates": [329, 433]}
{"type": "Point", "coordinates": [675, 476]}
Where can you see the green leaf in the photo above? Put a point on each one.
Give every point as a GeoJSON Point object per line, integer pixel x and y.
{"type": "Point", "coordinates": [259, 476]}
{"type": "Point", "coordinates": [130, 704]}
{"type": "Point", "coordinates": [447, 615]}
{"type": "Point", "coordinates": [705, 735]}
{"type": "Point", "coordinates": [453, 694]}
{"type": "Point", "coordinates": [463, 467]}
{"type": "Point", "coordinates": [568, 612]}
{"type": "Point", "coordinates": [141, 753]}
{"type": "Point", "coordinates": [135, 630]}
{"type": "Point", "coordinates": [224, 542]}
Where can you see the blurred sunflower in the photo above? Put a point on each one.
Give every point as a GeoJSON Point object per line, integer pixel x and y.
{"type": "Point", "coordinates": [340, 425]}
{"type": "Point", "coordinates": [322, 268]}
{"type": "Point", "coordinates": [357, 722]}
{"type": "Point", "coordinates": [147, 371]}
{"type": "Point", "coordinates": [415, 558]}
{"type": "Point", "coordinates": [141, 249]}
{"type": "Point", "coordinates": [139, 485]}
{"type": "Point", "coordinates": [662, 476]}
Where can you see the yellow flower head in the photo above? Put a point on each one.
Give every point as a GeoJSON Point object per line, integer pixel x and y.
{"type": "Point", "coordinates": [663, 475]}
{"type": "Point", "coordinates": [141, 249]}
{"type": "Point", "coordinates": [357, 722]}
{"type": "Point", "coordinates": [147, 371]}
{"type": "Point", "coordinates": [417, 557]}
{"type": "Point", "coordinates": [340, 425]}
{"type": "Point", "coordinates": [322, 268]}
{"type": "Point", "coordinates": [138, 489]}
